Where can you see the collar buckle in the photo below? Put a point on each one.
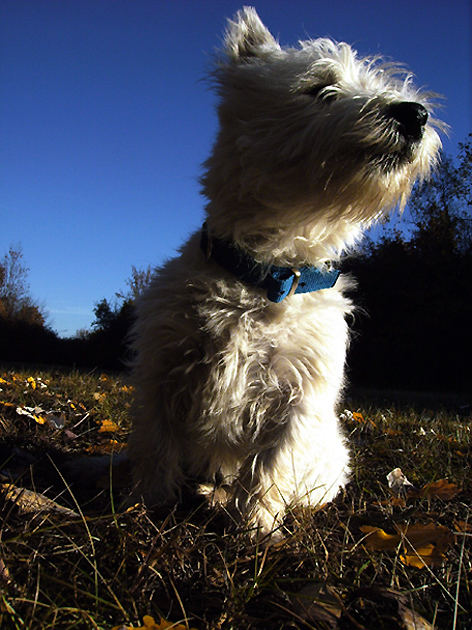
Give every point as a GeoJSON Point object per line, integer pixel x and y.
{"type": "Point", "coordinates": [296, 279]}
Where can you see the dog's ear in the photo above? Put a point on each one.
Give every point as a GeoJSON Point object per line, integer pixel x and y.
{"type": "Point", "coordinates": [247, 37]}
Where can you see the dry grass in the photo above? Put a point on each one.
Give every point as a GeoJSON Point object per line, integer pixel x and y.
{"type": "Point", "coordinates": [99, 564]}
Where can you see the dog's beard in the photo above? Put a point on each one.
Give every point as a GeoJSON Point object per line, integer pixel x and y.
{"type": "Point", "coordinates": [392, 160]}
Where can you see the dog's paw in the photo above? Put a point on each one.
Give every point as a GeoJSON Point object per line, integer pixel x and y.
{"type": "Point", "coordinates": [264, 527]}
{"type": "Point", "coordinates": [215, 495]}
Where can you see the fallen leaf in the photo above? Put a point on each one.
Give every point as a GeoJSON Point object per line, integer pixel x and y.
{"type": "Point", "coordinates": [30, 380]}
{"type": "Point", "coordinates": [29, 501]}
{"type": "Point", "coordinates": [378, 540]}
{"type": "Point", "coordinates": [424, 534]}
{"type": "Point", "coordinates": [397, 481]}
{"type": "Point", "coordinates": [108, 426]}
{"type": "Point", "coordinates": [150, 624]}
{"type": "Point", "coordinates": [440, 489]}
{"type": "Point", "coordinates": [422, 545]}
{"type": "Point", "coordinates": [420, 557]}
{"type": "Point", "coordinates": [33, 413]}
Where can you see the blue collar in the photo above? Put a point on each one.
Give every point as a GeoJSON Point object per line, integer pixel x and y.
{"type": "Point", "coordinates": [280, 282]}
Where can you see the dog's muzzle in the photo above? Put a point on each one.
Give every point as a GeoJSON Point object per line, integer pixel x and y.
{"type": "Point", "coordinates": [406, 122]}
{"type": "Point", "coordinates": [411, 118]}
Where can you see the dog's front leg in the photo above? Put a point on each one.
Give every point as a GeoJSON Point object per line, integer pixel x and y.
{"type": "Point", "coordinates": [257, 497]}
{"type": "Point", "coordinates": [264, 486]}
{"type": "Point", "coordinates": [304, 463]}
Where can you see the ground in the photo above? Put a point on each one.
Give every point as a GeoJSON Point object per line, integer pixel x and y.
{"type": "Point", "coordinates": [74, 554]}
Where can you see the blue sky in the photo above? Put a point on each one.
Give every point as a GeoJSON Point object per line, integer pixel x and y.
{"type": "Point", "coordinates": [105, 121]}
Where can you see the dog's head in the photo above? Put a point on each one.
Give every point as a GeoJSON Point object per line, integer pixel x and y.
{"type": "Point", "coordinates": [312, 139]}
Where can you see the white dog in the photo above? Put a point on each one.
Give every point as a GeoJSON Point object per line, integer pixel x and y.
{"type": "Point", "coordinates": [241, 340]}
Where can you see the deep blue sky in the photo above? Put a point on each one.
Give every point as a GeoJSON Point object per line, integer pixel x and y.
{"type": "Point", "coordinates": [104, 121]}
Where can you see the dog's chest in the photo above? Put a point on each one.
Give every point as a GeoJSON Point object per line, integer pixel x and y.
{"type": "Point", "coordinates": [256, 357]}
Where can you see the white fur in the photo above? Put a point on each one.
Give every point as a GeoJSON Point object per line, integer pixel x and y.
{"type": "Point", "coordinates": [230, 385]}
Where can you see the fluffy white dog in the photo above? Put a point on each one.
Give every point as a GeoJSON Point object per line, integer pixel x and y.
{"type": "Point", "coordinates": [241, 340]}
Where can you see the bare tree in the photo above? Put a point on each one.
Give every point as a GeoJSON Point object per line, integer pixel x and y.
{"type": "Point", "coordinates": [136, 283]}
{"type": "Point", "coordinates": [15, 300]}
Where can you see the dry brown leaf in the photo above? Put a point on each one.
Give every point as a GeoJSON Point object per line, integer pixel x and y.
{"type": "Point", "coordinates": [378, 540]}
{"type": "Point", "coordinates": [419, 534]}
{"type": "Point", "coordinates": [422, 545]}
{"type": "Point", "coordinates": [422, 556]}
{"type": "Point", "coordinates": [429, 541]}
{"type": "Point", "coordinates": [440, 489]}
{"type": "Point", "coordinates": [29, 501]}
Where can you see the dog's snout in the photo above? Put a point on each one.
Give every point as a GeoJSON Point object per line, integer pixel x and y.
{"type": "Point", "coordinates": [411, 116]}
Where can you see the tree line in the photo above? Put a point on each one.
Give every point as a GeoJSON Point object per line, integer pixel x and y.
{"type": "Point", "coordinates": [412, 330]}
{"type": "Point", "coordinates": [416, 290]}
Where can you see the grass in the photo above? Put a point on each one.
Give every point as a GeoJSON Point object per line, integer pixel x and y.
{"type": "Point", "coordinates": [100, 564]}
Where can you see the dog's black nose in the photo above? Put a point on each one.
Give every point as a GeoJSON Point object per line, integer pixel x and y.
{"type": "Point", "coordinates": [412, 118]}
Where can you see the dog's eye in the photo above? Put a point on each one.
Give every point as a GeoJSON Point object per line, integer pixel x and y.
{"type": "Point", "coordinates": [315, 90]}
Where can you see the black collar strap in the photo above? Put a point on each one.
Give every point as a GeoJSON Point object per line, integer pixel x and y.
{"type": "Point", "coordinates": [280, 282]}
